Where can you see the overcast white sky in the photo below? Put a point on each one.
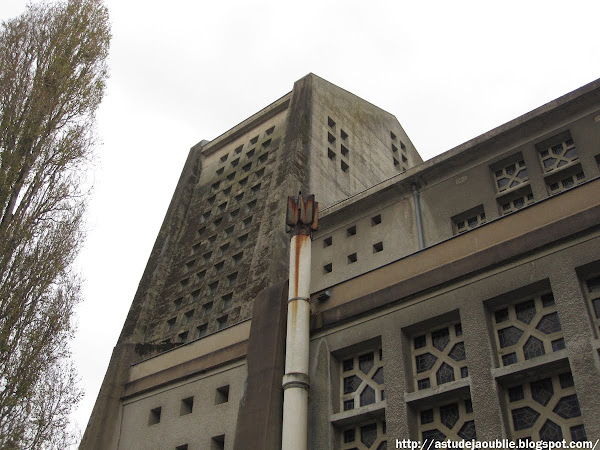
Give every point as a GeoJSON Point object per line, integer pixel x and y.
{"type": "Point", "coordinates": [183, 71]}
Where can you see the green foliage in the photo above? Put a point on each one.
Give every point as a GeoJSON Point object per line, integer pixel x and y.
{"type": "Point", "coordinates": [52, 79]}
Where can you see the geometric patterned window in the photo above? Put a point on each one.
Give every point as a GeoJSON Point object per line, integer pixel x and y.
{"type": "Point", "coordinates": [527, 329]}
{"type": "Point", "coordinates": [566, 180]}
{"type": "Point", "coordinates": [452, 421]}
{"type": "Point", "coordinates": [439, 357]}
{"type": "Point", "coordinates": [592, 292]}
{"type": "Point", "coordinates": [469, 219]}
{"type": "Point", "coordinates": [545, 410]}
{"type": "Point", "coordinates": [511, 203]}
{"type": "Point", "coordinates": [362, 381]}
{"type": "Point", "coordinates": [369, 435]}
{"type": "Point", "coordinates": [558, 155]}
{"type": "Point", "coordinates": [511, 176]}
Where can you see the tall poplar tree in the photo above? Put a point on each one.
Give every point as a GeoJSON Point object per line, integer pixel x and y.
{"type": "Point", "coordinates": [52, 79]}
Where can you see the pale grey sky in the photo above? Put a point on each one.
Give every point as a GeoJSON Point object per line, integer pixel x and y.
{"type": "Point", "coordinates": [183, 71]}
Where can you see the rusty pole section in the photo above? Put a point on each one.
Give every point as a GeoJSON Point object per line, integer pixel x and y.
{"type": "Point", "coordinates": [301, 220]}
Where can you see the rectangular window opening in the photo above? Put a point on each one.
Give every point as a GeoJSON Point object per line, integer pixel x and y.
{"type": "Point", "coordinates": [351, 231]}
{"type": "Point", "coordinates": [222, 395]}
{"type": "Point", "coordinates": [154, 417]}
{"type": "Point", "coordinates": [327, 241]}
{"type": "Point", "coordinates": [352, 258]}
{"type": "Point", "coordinates": [376, 220]}
{"type": "Point", "coordinates": [378, 247]}
{"type": "Point", "coordinates": [327, 268]}
{"type": "Point", "coordinates": [187, 406]}
{"type": "Point", "coordinates": [344, 167]}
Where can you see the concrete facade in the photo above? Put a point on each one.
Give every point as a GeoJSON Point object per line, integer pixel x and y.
{"type": "Point", "coordinates": [453, 298]}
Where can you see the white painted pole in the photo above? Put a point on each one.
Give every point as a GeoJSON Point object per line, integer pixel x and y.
{"type": "Point", "coordinates": [302, 219]}
{"type": "Point", "coordinates": [295, 380]}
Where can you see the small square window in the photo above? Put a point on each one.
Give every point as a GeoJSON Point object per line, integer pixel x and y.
{"type": "Point", "coordinates": [254, 140]}
{"type": "Point", "coordinates": [237, 258]}
{"type": "Point", "coordinates": [352, 258]}
{"type": "Point", "coordinates": [201, 330]}
{"type": "Point", "coordinates": [239, 150]}
{"type": "Point", "coordinates": [327, 241]}
{"type": "Point", "coordinates": [231, 176]}
{"type": "Point", "coordinates": [222, 395]}
{"type": "Point", "coordinates": [177, 303]}
{"type": "Point", "coordinates": [232, 278]}
{"type": "Point", "coordinates": [330, 122]}
{"type": "Point", "coordinates": [263, 158]}
{"type": "Point", "coordinates": [343, 134]}
{"type": "Point", "coordinates": [227, 300]}
{"type": "Point", "coordinates": [196, 295]}
{"type": "Point", "coordinates": [392, 135]}
{"type": "Point", "coordinates": [189, 316]}
{"type": "Point", "coordinates": [187, 406]}
{"type": "Point", "coordinates": [378, 247]}
{"type": "Point", "coordinates": [171, 324]}
{"type": "Point", "coordinates": [351, 231]}
{"type": "Point", "coordinates": [246, 222]}
{"type": "Point", "coordinates": [266, 143]}
{"type": "Point", "coordinates": [224, 158]}
{"type": "Point", "coordinates": [376, 220]}
{"type": "Point", "coordinates": [345, 152]}
{"type": "Point", "coordinates": [233, 214]}
{"type": "Point", "coordinates": [217, 443]}
{"type": "Point", "coordinates": [243, 239]}
{"type": "Point", "coordinates": [344, 167]}
{"type": "Point", "coordinates": [154, 416]}
{"type": "Point", "coordinates": [247, 167]}
{"type": "Point", "coordinates": [221, 322]}
{"type": "Point", "coordinates": [330, 154]}
{"type": "Point", "coordinates": [213, 286]}
{"type": "Point", "coordinates": [327, 268]}
{"type": "Point", "coordinates": [216, 185]}
{"type": "Point", "coordinates": [394, 148]}
{"type": "Point", "coordinates": [243, 181]}
{"type": "Point", "coordinates": [270, 131]}
{"type": "Point", "coordinates": [206, 309]}
{"type": "Point", "coordinates": [238, 198]}
{"type": "Point", "coordinates": [219, 266]}
{"type": "Point", "coordinates": [182, 337]}
{"type": "Point", "coordinates": [250, 153]}
{"type": "Point", "coordinates": [229, 231]}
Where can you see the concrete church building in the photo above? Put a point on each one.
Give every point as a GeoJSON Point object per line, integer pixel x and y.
{"type": "Point", "coordinates": [454, 298]}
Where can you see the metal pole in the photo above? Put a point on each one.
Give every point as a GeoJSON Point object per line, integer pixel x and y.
{"type": "Point", "coordinates": [301, 220]}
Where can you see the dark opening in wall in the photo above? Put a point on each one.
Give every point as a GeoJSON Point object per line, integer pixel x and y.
{"type": "Point", "coordinates": [239, 197]}
{"type": "Point", "coordinates": [182, 447]}
{"type": "Point", "coordinates": [220, 171]}
{"type": "Point", "coordinates": [206, 309]}
{"type": "Point", "coordinates": [351, 231]}
{"type": "Point", "coordinates": [330, 154]}
{"type": "Point", "coordinates": [330, 138]}
{"type": "Point", "coordinates": [224, 158]}
{"type": "Point", "coordinates": [344, 167]}
{"type": "Point", "coordinates": [207, 256]}
{"type": "Point", "coordinates": [263, 158]}
{"type": "Point", "coordinates": [247, 167]}
{"type": "Point", "coordinates": [378, 247]}
{"type": "Point", "coordinates": [182, 337]}
{"type": "Point", "coordinates": [235, 162]}
{"type": "Point", "coordinates": [222, 206]}
{"type": "Point", "coordinates": [189, 316]}
{"type": "Point", "coordinates": [250, 153]}
{"type": "Point", "coordinates": [246, 222]}
{"type": "Point", "coordinates": [227, 300]}
{"type": "Point", "coordinates": [213, 286]}
{"type": "Point", "coordinates": [327, 241]}
{"type": "Point", "coordinates": [255, 188]}
{"type": "Point", "coordinates": [233, 214]}
{"type": "Point", "coordinates": [243, 239]}
{"type": "Point", "coordinates": [222, 395]}
{"type": "Point", "coordinates": [343, 134]}
{"type": "Point", "coordinates": [394, 148]}
{"type": "Point", "coordinates": [392, 135]}
{"type": "Point", "coordinates": [352, 258]}
{"type": "Point", "coordinates": [330, 122]}
{"type": "Point", "coordinates": [345, 151]}
{"type": "Point", "coordinates": [260, 173]}
{"type": "Point", "coordinates": [243, 181]}
{"type": "Point", "coordinates": [177, 303]}
{"type": "Point", "coordinates": [219, 267]}
{"type": "Point", "coordinates": [221, 322]}
{"type": "Point", "coordinates": [254, 140]}
{"type": "Point", "coordinates": [154, 417]}
{"type": "Point", "coordinates": [231, 176]}
{"type": "Point", "coordinates": [270, 131]}
{"type": "Point", "coordinates": [229, 231]}
{"type": "Point", "coordinates": [327, 268]}
{"type": "Point", "coordinates": [218, 443]}
{"type": "Point", "coordinates": [201, 330]}
{"type": "Point", "coordinates": [232, 278]}
{"type": "Point", "coordinates": [376, 220]}
{"type": "Point", "coordinates": [266, 143]}
{"type": "Point", "coordinates": [237, 258]}
{"type": "Point", "coordinates": [239, 150]}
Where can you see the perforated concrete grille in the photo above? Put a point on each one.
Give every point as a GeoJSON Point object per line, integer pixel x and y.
{"type": "Point", "coordinates": [449, 420]}
{"type": "Point", "coordinates": [362, 380]}
{"type": "Point", "coordinates": [370, 435]}
{"type": "Point", "coordinates": [398, 156]}
{"type": "Point", "coordinates": [592, 293]}
{"type": "Point", "coordinates": [558, 155]}
{"type": "Point", "coordinates": [511, 176]}
{"type": "Point", "coordinates": [338, 144]}
{"type": "Point", "coordinates": [439, 357]}
{"type": "Point", "coordinates": [212, 272]}
{"type": "Point", "coordinates": [527, 329]}
{"type": "Point", "coordinates": [545, 409]}
{"type": "Point", "coordinates": [469, 220]}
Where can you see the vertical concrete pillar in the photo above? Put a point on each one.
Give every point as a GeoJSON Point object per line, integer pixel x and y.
{"type": "Point", "coordinates": [480, 354]}
{"type": "Point", "coordinates": [578, 334]}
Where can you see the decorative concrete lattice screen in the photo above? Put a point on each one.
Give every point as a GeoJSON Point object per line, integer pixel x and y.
{"type": "Point", "coordinates": [365, 437]}
{"type": "Point", "coordinates": [362, 380]}
{"type": "Point", "coordinates": [546, 409]}
{"type": "Point", "coordinates": [448, 421]}
{"type": "Point", "coordinates": [439, 357]}
{"type": "Point", "coordinates": [527, 329]}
